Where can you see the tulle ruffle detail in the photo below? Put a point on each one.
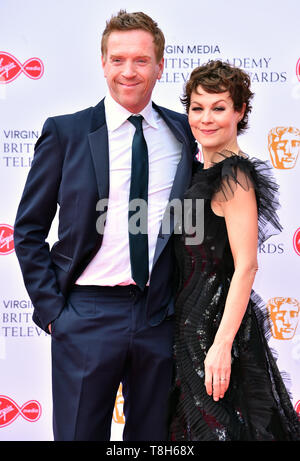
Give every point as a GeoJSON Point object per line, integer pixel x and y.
{"type": "Point", "coordinates": [235, 170]}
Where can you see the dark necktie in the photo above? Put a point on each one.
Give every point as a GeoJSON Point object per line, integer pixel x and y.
{"type": "Point", "coordinates": [138, 242]}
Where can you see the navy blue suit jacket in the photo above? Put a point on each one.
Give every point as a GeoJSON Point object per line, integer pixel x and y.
{"type": "Point", "coordinates": [71, 169]}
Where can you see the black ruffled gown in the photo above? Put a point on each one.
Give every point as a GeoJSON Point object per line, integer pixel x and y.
{"type": "Point", "coordinates": [256, 405]}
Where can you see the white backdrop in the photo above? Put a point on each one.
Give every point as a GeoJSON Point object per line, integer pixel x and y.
{"type": "Point", "coordinates": [64, 37]}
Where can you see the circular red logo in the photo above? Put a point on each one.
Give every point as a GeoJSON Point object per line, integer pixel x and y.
{"type": "Point", "coordinates": [11, 68]}
{"type": "Point", "coordinates": [296, 241]}
{"type": "Point", "coordinates": [6, 239]}
{"type": "Point", "coordinates": [9, 410]}
{"type": "Point", "coordinates": [298, 69]}
{"type": "Point", "coordinates": [297, 408]}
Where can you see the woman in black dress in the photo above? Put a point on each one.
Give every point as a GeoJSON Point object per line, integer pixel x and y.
{"type": "Point", "coordinates": [227, 385]}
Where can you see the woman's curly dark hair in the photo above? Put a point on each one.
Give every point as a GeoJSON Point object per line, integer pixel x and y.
{"type": "Point", "coordinates": [217, 77]}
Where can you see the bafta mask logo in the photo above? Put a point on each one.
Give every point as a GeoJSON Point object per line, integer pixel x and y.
{"type": "Point", "coordinates": [118, 415]}
{"type": "Point", "coordinates": [284, 315]}
{"type": "Point", "coordinates": [284, 146]}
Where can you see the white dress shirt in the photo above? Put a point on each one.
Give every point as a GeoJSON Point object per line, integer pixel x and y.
{"type": "Point", "coordinates": [111, 265]}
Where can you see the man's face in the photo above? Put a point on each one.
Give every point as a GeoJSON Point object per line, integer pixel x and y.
{"type": "Point", "coordinates": [285, 150]}
{"type": "Point", "coordinates": [131, 68]}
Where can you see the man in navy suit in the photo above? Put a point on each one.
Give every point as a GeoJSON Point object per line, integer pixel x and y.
{"type": "Point", "coordinates": [105, 328]}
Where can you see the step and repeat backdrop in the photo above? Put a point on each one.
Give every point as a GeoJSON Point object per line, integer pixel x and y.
{"type": "Point", "coordinates": [50, 64]}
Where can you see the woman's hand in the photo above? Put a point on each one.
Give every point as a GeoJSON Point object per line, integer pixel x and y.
{"type": "Point", "coordinates": [217, 370]}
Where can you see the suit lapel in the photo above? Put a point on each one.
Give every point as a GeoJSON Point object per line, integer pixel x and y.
{"type": "Point", "coordinates": [98, 141]}
{"type": "Point", "coordinates": [183, 173]}
{"type": "Point", "coordinates": [181, 180]}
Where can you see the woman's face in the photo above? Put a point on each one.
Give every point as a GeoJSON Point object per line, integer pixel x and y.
{"type": "Point", "coordinates": [213, 120]}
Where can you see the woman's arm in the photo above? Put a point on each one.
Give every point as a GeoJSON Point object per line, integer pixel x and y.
{"type": "Point", "coordinates": [241, 218]}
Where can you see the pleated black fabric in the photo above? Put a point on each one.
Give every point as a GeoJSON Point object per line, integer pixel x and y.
{"type": "Point", "coordinates": [257, 405]}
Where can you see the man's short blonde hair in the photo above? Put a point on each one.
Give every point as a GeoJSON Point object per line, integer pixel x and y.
{"type": "Point", "coordinates": [124, 21]}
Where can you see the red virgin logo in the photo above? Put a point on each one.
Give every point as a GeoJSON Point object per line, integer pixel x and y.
{"type": "Point", "coordinates": [11, 68]}
{"type": "Point", "coordinates": [297, 409]}
{"type": "Point", "coordinates": [298, 69]}
{"type": "Point", "coordinates": [9, 411]}
{"type": "Point", "coordinates": [296, 241]}
{"type": "Point", "coordinates": [6, 239]}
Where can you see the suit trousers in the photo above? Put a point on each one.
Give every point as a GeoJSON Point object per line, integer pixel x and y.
{"type": "Point", "coordinates": [102, 339]}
